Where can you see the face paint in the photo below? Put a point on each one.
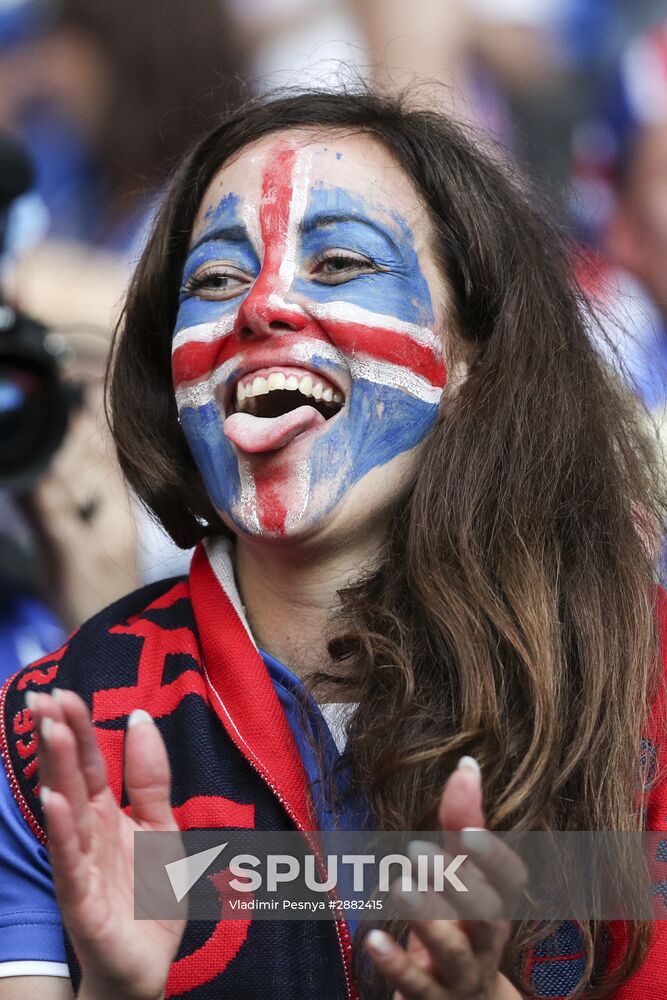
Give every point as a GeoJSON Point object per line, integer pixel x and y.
{"type": "Point", "coordinates": [326, 296]}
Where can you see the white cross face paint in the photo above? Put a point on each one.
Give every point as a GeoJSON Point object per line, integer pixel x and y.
{"type": "Point", "coordinates": [307, 351]}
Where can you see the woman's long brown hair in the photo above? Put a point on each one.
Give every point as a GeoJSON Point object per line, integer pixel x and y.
{"type": "Point", "coordinates": [512, 614]}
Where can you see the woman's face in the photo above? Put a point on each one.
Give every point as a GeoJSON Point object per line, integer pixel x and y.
{"type": "Point", "coordinates": [308, 351]}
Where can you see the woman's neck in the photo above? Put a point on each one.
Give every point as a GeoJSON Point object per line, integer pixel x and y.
{"type": "Point", "coordinates": [290, 597]}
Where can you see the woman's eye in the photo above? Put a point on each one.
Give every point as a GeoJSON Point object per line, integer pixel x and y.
{"type": "Point", "coordinates": [334, 268]}
{"type": "Point", "coordinates": [216, 283]}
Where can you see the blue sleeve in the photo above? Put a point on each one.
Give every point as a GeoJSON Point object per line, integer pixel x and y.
{"type": "Point", "coordinates": [28, 630]}
{"type": "Point", "coordinates": [30, 925]}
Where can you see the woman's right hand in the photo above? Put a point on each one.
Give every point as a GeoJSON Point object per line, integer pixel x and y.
{"type": "Point", "coordinates": [91, 846]}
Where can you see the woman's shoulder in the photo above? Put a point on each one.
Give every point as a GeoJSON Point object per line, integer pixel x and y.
{"type": "Point", "coordinates": [109, 646]}
{"type": "Point", "coordinates": [116, 661]}
{"type": "Point", "coordinates": [95, 646]}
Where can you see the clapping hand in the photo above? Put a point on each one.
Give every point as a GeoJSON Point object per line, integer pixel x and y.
{"type": "Point", "coordinates": [457, 956]}
{"type": "Point", "coordinates": [91, 842]}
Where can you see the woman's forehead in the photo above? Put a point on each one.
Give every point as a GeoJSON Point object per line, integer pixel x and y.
{"type": "Point", "coordinates": [305, 161]}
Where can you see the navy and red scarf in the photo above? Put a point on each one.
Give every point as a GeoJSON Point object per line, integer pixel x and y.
{"type": "Point", "coordinates": [182, 651]}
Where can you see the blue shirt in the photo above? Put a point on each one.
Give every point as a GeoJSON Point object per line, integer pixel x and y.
{"type": "Point", "coordinates": [316, 746]}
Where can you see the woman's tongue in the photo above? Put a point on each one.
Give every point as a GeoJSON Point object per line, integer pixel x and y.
{"type": "Point", "coordinates": [255, 434]}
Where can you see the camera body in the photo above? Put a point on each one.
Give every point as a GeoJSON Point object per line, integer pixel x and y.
{"type": "Point", "coordinates": [34, 401]}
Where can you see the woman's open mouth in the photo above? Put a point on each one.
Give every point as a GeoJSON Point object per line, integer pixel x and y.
{"type": "Point", "coordinates": [270, 407]}
{"type": "Point", "coordinates": [272, 392]}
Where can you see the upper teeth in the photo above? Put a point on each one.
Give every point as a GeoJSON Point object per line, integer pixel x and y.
{"type": "Point", "coordinates": [276, 380]}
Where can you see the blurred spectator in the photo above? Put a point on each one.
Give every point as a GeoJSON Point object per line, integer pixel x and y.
{"type": "Point", "coordinates": [107, 96]}
{"type": "Point", "coordinates": [498, 60]}
{"type": "Point", "coordinates": [67, 536]}
{"type": "Point", "coordinates": [637, 227]}
{"type": "Point", "coordinates": [620, 199]}
{"type": "Point", "coordinates": [527, 70]}
{"type": "Point", "coordinates": [455, 44]}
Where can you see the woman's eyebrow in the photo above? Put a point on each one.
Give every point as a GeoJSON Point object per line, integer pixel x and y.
{"type": "Point", "coordinates": [223, 234]}
{"type": "Point", "coordinates": [321, 219]}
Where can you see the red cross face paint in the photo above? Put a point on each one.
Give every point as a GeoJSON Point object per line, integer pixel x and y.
{"type": "Point", "coordinates": [307, 357]}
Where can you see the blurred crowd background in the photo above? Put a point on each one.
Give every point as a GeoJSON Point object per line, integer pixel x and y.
{"type": "Point", "coordinates": [105, 96]}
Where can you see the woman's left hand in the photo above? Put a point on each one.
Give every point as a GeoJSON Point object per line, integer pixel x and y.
{"type": "Point", "coordinates": [457, 956]}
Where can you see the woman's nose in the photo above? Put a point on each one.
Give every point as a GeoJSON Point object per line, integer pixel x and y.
{"type": "Point", "coordinates": [264, 313]}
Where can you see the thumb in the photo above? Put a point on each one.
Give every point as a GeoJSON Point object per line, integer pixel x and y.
{"type": "Point", "coordinates": [461, 803]}
{"type": "Point", "coordinates": [147, 773]}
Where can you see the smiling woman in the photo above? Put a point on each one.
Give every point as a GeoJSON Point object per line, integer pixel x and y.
{"type": "Point", "coordinates": [306, 281]}
{"type": "Point", "coordinates": [353, 368]}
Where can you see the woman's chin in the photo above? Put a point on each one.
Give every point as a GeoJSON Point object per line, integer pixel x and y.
{"type": "Point", "coordinates": [274, 530]}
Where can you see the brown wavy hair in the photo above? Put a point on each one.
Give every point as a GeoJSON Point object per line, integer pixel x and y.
{"type": "Point", "coordinates": [512, 613]}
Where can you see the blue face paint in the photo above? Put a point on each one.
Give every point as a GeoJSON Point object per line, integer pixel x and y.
{"type": "Point", "coordinates": [371, 334]}
{"type": "Point", "coordinates": [213, 453]}
{"type": "Point", "coordinates": [337, 218]}
{"type": "Point", "coordinates": [224, 238]}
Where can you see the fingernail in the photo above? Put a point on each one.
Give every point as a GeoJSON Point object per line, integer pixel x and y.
{"type": "Point", "coordinates": [57, 693]}
{"type": "Point", "coordinates": [45, 728]}
{"type": "Point", "coordinates": [477, 840]}
{"type": "Point", "coordinates": [30, 699]}
{"type": "Point", "coordinates": [137, 717]}
{"type": "Point", "coordinates": [44, 795]}
{"type": "Point", "coordinates": [379, 942]}
{"type": "Point", "coordinates": [470, 763]}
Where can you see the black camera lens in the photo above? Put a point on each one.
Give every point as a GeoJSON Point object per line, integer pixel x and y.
{"type": "Point", "coordinates": [33, 404]}
{"type": "Point", "coordinates": [23, 403]}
